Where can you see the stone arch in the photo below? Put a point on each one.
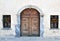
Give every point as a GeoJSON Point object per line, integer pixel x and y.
{"type": "Point", "coordinates": [30, 6]}
{"type": "Point", "coordinates": [18, 17]}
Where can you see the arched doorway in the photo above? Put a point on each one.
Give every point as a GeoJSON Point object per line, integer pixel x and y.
{"type": "Point", "coordinates": [30, 22]}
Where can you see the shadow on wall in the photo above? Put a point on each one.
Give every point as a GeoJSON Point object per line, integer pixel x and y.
{"type": "Point", "coordinates": [17, 30]}
{"type": "Point", "coordinates": [41, 27]}
{"type": "Point", "coordinates": [17, 26]}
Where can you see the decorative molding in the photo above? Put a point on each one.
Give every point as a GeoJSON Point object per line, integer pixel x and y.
{"type": "Point", "coordinates": [30, 6]}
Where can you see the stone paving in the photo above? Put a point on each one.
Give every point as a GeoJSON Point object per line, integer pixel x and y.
{"type": "Point", "coordinates": [11, 38]}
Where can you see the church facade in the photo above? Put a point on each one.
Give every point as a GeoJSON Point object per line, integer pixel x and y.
{"type": "Point", "coordinates": [30, 18]}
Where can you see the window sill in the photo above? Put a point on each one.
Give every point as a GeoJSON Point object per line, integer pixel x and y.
{"type": "Point", "coordinates": [54, 28]}
{"type": "Point", "coordinates": [6, 29]}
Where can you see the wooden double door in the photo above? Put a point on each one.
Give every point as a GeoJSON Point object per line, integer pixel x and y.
{"type": "Point", "coordinates": [30, 22]}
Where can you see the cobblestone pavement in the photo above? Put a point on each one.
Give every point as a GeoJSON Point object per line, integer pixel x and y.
{"type": "Point", "coordinates": [29, 39]}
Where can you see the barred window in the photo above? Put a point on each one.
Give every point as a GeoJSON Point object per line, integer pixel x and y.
{"type": "Point", "coordinates": [54, 21]}
{"type": "Point", "coordinates": [6, 21]}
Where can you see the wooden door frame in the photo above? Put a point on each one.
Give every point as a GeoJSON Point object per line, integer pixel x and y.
{"type": "Point", "coordinates": [21, 20]}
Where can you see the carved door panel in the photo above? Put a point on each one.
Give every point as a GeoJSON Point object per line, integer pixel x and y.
{"type": "Point", "coordinates": [25, 25]}
{"type": "Point", "coordinates": [35, 26]}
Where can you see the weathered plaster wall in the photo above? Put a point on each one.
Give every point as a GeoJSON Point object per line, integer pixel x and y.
{"type": "Point", "coordinates": [48, 7]}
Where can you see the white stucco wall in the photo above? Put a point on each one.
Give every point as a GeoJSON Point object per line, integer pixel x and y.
{"type": "Point", "coordinates": [12, 7]}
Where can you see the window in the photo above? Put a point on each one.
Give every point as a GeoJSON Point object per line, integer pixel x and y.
{"type": "Point", "coordinates": [6, 21]}
{"type": "Point", "coordinates": [54, 21]}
